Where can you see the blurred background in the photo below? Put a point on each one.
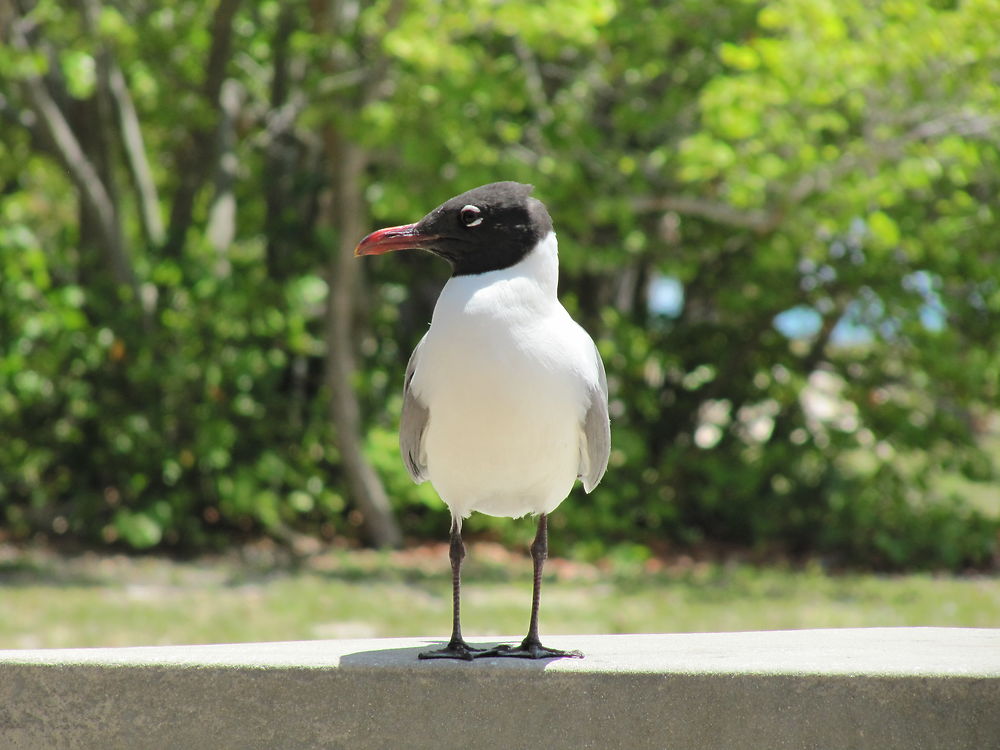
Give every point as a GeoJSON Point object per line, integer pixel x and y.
{"type": "Point", "coordinates": [779, 220]}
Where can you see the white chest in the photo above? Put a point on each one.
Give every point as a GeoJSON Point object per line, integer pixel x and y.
{"type": "Point", "coordinates": [503, 373]}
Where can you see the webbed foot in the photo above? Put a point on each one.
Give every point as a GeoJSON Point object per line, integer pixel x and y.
{"type": "Point", "coordinates": [529, 649]}
{"type": "Point", "coordinates": [456, 649]}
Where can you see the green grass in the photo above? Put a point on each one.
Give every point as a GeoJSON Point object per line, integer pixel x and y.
{"type": "Point", "coordinates": [90, 600]}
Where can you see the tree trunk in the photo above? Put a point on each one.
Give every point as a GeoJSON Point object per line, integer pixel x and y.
{"type": "Point", "coordinates": [221, 226]}
{"type": "Point", "coordinates": [94, 194]}
{"type": "Point", "coordinates": [344, 209]}
{"type": "Point", "coordinates": [138, 162]}
{"type": "Point", "coordinates": [198, 157]}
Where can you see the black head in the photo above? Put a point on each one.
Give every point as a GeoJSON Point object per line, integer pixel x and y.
{"type": "Point", "coordinates": [484, 229]}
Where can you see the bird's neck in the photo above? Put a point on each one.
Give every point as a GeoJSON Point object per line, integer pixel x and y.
{"type": "Point", "coordinates": [542, 264]}
{"type": "Point", "coordinates": [529, 285]}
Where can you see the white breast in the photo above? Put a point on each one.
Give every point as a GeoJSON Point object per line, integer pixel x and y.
{"type": "Point", "coordinates": [504, 373]}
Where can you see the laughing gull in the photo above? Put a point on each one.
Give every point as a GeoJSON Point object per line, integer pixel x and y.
{"type": "Point", "coordinates": [505, 398]}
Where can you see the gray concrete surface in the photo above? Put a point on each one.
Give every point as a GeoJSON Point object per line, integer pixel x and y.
{"type": "Point", "coordinates": [855, 688]}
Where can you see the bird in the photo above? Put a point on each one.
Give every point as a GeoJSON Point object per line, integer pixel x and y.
{"type": "Point", "coordinates": [505, 398]}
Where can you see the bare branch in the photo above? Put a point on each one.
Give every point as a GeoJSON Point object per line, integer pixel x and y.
{"type": "Point", "coordinates": [535, 88]}
{"type": "Point", "coordinates": [966, 124]}
{"type": "Point", "coordinates": [715, 211]}
{"type": "Point", "coordinates": [135, 156]}
{"type": "Point", "coordinates": [222, 42]}
{"type": "Point", "coordinates": [196, 164]}
{"type": "Point", "coordinates": [222, 213]}
{"type": "Point", "coordinates": [533, 80]}
{"type": "Point", "coordinates": [91, 189]}
{"type": "Point", "coordinates": [821, 179]}
{"type": "Point", "coordinates": [114, 94]}
{"type": "Point", "coordinates": [378, 78]}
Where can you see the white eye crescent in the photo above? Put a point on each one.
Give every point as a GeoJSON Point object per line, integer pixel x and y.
{"type": "Point", "coordinates": [471, 216]}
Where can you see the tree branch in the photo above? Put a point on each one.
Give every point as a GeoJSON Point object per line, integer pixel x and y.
{"type": "Point", "coordinates": [91, 189]}
{"type": "Point", "coordinates": [221, 227]}
{"type": "Point", "coordinates": [343, 208]}
{"type": "Point", "coordinates": [135, 157]}
{"type": "Point", "coordinates": [221, 49]}
{"type": "Point", "coordinates": [821, 179]}
{"type": "Point", "coordinates": [715, 211]}
{"type": "Point", "coordinates": [535, 88]}
{"type": "Point", "coordinates": [195, 165]}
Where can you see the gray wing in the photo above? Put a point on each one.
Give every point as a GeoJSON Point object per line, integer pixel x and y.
{"type": "Point", "coordinates": [596, 428]}
{"type": "Point", "coordinates": [412, 424]}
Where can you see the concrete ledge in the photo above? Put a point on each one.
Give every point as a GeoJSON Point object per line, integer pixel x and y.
{"type": "Point", "coordinates": [865, 688]}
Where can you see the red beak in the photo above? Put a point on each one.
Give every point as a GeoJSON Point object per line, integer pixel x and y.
{"type": "Point", "coordinates": [405, 237]}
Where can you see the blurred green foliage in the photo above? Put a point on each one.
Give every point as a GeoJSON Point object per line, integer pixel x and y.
{"type": "Point", "coordinates": [841, 160]}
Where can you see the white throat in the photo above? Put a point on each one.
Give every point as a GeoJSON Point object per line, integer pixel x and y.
{"type": "Point", "coordinates": [541, 264]}
{"type": "Point", "coordinates": [524, 289]}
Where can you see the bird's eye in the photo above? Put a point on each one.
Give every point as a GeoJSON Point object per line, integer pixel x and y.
{"type": "Point", "coordinates": [471, 216]}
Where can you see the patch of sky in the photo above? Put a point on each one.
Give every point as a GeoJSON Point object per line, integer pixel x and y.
{"type": "Point", "coordinates": [861, 320]}
{"type": "Point", "coordinates": [866, 315]}
{"type": "Point", "coordinates": [799, 322]}
{"type": "Point", "coordinates": [665, 296]}
{"type": "Point", "coordinates": [932, 311]}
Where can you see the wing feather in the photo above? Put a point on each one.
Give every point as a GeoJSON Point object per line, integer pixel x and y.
{"type": "Point", "coordinates": [595, 448]}
{"type": "Point", "coordinates": [413, 424]}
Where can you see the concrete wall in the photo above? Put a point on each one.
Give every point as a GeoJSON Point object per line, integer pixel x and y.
{"type": "Point", "coordinates": [878, 688]}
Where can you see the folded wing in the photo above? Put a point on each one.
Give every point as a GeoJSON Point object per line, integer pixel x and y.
{"type": "Point", "coordinates": [595, 442]}
{"type": "Point", "coordinates": [413, 425]}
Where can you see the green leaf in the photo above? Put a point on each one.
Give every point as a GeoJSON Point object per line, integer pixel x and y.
{"type": "Point", "coordinates": [883, 228]}
{"type": "Point", "coordinates": [139, 530]}
{"type": "Point", "coordinates": [80, 71]}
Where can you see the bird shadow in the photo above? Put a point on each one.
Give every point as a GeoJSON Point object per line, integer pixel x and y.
{"type": "Point", "coordinates": [397, 658]}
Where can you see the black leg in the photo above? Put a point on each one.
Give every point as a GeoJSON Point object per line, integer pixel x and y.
{"type": "Point", "coordinates": [457, 648]}
{"type": "Point", "coordinates": [531, 647]}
